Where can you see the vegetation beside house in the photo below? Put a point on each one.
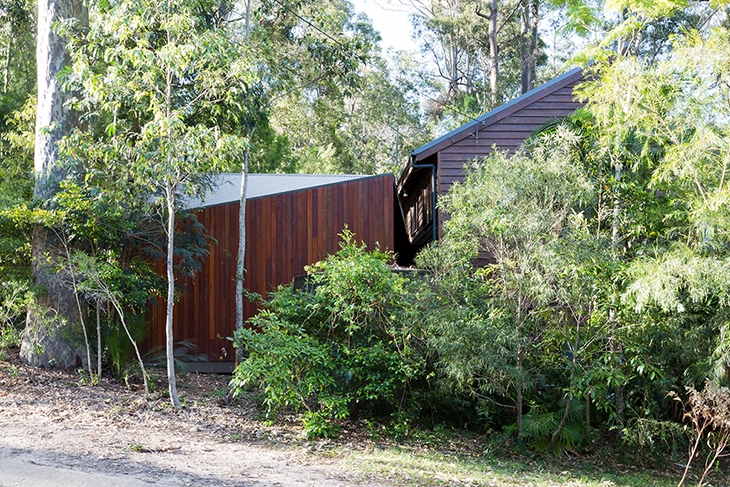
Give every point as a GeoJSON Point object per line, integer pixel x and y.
{"type": "Point", "coordinates": [601, 311]}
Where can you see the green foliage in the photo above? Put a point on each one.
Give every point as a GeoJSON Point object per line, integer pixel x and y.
{"type": "Point", "coordinates": [15, 297]}
{"type": "Point", "coordinates": [122, 296]}
{"type": "Point", "coordinates": [287, 364]}
{"type": "Point", "coordinates": [17, 26]}
{"type": "Point", "coordinates": [655, 436]}
{"type": "Point", "coordinates": [169, 92]}
{"type": "Point", "coordinates": [369, 127]}
{"type": "Point", "coordinates": [16, 192]}
{"type": "Point", "coordinates": [604, 250]}
{"type": "Point", "coordinates": [539, 425]}
{"type": "Point", "coordinates": [517, 212]}
{"type": "Point", "coordinates": [349, 347]}
{"type": "Point", "coordinates": [118, 346]}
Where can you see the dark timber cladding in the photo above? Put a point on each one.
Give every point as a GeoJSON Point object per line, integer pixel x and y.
{"type": "Point", "coordinates": [285, 231]}
{"type": "Point", "coordinates": [505, 127]}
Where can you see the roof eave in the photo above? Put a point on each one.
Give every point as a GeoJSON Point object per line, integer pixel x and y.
{"type": "Point", "coordinates": [495, 115]}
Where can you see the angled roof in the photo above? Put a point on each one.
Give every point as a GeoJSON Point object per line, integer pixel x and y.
{"type": "Point", "coordinates": [497, 114]}
{"type": "Point", "coordinates": [228, 186]}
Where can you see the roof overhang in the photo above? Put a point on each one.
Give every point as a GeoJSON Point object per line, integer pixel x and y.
{"type": "Point", "coordinates": [497, 114]}
{"type": "Point", "coordinates": [227, 186]}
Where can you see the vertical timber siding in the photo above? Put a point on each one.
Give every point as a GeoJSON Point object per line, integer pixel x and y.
{"type": "Point", "coordinates": [284, 233]}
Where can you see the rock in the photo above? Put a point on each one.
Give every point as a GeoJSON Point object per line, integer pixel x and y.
{"type": "Point", "coordinates": [44, 345]}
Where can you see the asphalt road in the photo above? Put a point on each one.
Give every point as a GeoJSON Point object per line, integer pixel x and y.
{"type": "Point", "coordinates": [20, 474]}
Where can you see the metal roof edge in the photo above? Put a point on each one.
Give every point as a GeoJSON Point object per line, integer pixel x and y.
{"type": "Point", "coordinates": [535, 91]}
{"type": "Point", "coordinates": [346, 179]}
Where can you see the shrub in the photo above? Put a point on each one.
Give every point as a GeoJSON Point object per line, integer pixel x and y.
{"type": "Point", "coordinates": [15, 297]}
{"type": "Point", "coordinates": [349, 347]}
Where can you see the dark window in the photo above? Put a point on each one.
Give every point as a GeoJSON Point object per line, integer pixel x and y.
{"type": "Point", "coordinates": [427, 206]}
{"type": "Point", "coordinates": [414, 217]}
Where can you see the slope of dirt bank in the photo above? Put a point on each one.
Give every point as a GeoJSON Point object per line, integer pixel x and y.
{"type": "Point", "coordinates": [49, 418]}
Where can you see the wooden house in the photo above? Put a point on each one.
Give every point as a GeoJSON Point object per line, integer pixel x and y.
{"type": "Point", "coordinates": [434, 167]}
{"type": "Point", "coordinates": [292, 220]}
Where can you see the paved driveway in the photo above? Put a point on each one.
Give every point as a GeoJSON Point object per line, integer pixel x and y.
{"type": "Point", "coordinates": [20, 474]}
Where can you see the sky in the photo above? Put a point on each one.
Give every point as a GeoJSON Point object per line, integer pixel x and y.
{"type": "Point", "coordinates": [392, 23]}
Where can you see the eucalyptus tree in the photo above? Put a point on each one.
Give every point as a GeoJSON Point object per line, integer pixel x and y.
{"type": "Point", "coordinates": [332, 94]}
{"type": "Point", "coordinates": [166, 86]}
{"type": "Point", "coordinates": [479, 53]}
{"type": "Point", "coordinates": [43, 343]}
{"type": "Point", "coordinates": [369, 127]}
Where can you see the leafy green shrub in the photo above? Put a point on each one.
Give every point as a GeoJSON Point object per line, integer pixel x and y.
{"type": "Point", "coordinates": [15, 297]}
{"type": "Point", "coordinates": [655, 437]}
{"type": "Point", "coordinates": [540, 424]}
{"type": "Point", "coordinates": [347, 348]}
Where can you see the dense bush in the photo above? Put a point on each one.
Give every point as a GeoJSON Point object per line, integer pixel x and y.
{"type": "Point", "coordinates": [352, 346]}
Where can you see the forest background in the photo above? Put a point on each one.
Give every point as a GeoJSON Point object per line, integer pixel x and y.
{"type": "Point", "coordinates": [605, 310]}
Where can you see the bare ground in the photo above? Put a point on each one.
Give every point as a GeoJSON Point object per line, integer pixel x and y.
{"type": "Point", "coordinates": [50, 418]}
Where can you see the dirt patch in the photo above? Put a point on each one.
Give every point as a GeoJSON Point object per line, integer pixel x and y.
{"type": "Point", "coordinates": [51, 418]}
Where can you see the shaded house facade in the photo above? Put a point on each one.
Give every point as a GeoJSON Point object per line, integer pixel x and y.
{"type": "Point", "coordinates": [435, 166]}
{"type": "Point", "coordinates": [292, 220]}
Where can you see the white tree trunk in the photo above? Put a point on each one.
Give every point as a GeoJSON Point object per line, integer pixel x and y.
{"type": "Point", "coordinates": [240, 258]}
{"type": "Point", "coordinates": [525, 46]}
{"type": "Point", "coordinates": [98, 338]}
{"type": "Point", "coordinates": [241, 252]}
{"type": "Point", "coordinates": [53, 120]}
{"type": "Point", "coordinates": [491, 18]}
{"type": "Point", "coordinates": [169, 342]}
{"type": "Point", "coordinates": [493, 52]}
{"type": "Point", "coordinates": [53, 313]}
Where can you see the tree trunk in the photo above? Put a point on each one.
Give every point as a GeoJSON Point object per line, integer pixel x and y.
{"type": "Point", "coordinates": [616, 348]}
{"type": "Point", "coordinates": [53, 315]}
{"type": "Point", "coordinates": [525, 46]}
{"type": "Point", "coordinates": [493, 48]}
{"type": "Point", "coordinates": [241, 252]}
{"type": "Point", "coordinates": [519, 384]}
{"type": "Point", "coordinates": [528, 43]}
{"type": "Point", "coordinates": [518, 405]}
{"type": "Point", "coordinates": [240, 258]}
{"type": "Point", "coordinates": [98, 337]}
{"type": "Point", "coordinates": [6, 69]}
{"type": "Point", "coordinates": [534, 20]}
{"type": "Point", "coordinates": [169, 342]}
{"type": "Point", "coordinates": [493, 52]}
{"type": "Point", "coordinates": [529, 20]}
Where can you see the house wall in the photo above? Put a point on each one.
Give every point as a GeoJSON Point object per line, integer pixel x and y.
{"type": "Point", "coordinates": [284, 233]}
{"type": "Point", "coordinates": [505, 128]}
{"type": "Point", "coordinates": [508, 134]}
